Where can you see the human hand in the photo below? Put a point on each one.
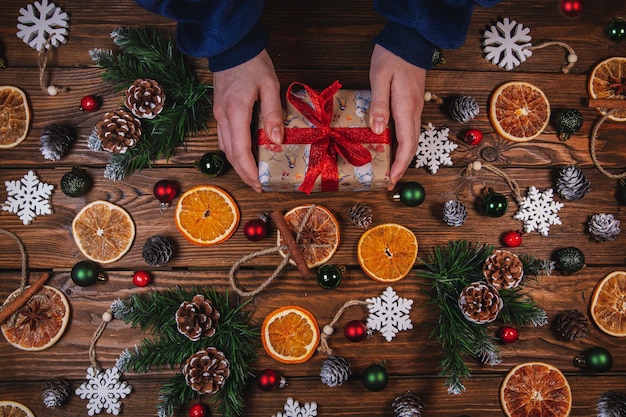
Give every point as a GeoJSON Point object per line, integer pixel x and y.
{"type": "Point", "coordinates": [397, 90]}
{"type": "Point", "coordinates": [235, 91]}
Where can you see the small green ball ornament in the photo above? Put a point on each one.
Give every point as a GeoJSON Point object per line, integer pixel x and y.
{"type": "Point", "coordinates": [568, 121]}
{"type": "Point", "coordinates": [329, 276]}
{"type": "Point", "coordinates": [620, 193]}
{"type": "Point", "coordinates": [212, 164]}
{"type": "Point", "coordinates": [75, 182]}
{"type": "Point", "coordinates": [375, 377]}
{"type": "Point", "coordinates": [595, 359]}
{"type": "Point", "coordinates": [616, 30]}
{"type": "Point", "coordinates": [495, 204]}
{"type": "Point", "coordinates": [411, 194]}
{"type": "Point", "coordinates": [86, 273]}
{"type": "Point", "coordinates": [569, 260]}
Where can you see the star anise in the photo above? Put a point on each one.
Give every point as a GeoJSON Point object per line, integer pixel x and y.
{"type": "Point", "coordinates": [617, 85]}
{"type": "Point", "coordinates": [34, 312]}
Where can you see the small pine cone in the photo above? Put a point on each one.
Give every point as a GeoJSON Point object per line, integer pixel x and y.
{"type": "Point", "coordinates": [603, 227]}
{"type": "Point", "coordinates": [335, 371]}
{"type": "Point", "coordinates": [454, 213]}
{"type": "Point", "coordinates": [55, 140]}
{"type": "Point", "coordinates": [463, 108]}
{"type": "Point", "coordinates": [157, 250]}
{"type": "Point", "coordinates": [361, 215]}
{"type": "Point", "coordinates": [197, 318]}
{"type": "Point", "coordinates": [55, 393]}
{"type": "Point", "coordinates": [503, 270]}
{"type": "Point", "coordinates": [206, 371]}
{"type": "Point", "coordinates": [118, 131]}
{"type": "Point", "coordinates": [612, 404]}
{"type": "Point", "coordinates": [480, 303]}
{"type": "Point", "coordinates": [572, 325]}
{"type": "Point", "coordinates": [408, 405]}
{"type": "Point", "coordinates": [145, 98]}
{"type": "Point", "coordinates": [572, 183]}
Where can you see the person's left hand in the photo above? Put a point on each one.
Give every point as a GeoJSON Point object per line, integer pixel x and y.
{"type": "Point", "coordinates": [398, 91]}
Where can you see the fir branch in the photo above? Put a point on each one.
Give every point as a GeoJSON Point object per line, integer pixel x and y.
{"type": "Point", "coordinates": [520, 309]}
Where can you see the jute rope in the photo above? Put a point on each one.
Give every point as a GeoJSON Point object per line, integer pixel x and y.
{"type": "Point", "coordinates": [477, 166]}
{"type": "Point", "coordinates": [107, 316]}
{"type": "Point", "coordinates": [20, 245]}
{"type": "Point", "coordinates": [592, 146]}
{"type": "Point", "coordinates": [572, 58]}
{"type": "Point", "coordinates": [329, 329]}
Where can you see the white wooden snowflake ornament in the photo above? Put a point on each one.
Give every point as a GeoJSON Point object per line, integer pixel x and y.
{"type": "Point", "coordinates": [389, 314]}
{"type": "Point", "coordinates": [42, 25]}
{"type": "Point", "coordinates": [507, 44]}
{"type": "Point", "coordinates": [293, 409]}
{"type": "Point", "coordinates": [538, 211]}
{"type": "Point", "coordinates": [104, 390]}
{"type": "Point", "coordinates": [28, 197]}
{"type": "Point", "coordinates": [434, 149]}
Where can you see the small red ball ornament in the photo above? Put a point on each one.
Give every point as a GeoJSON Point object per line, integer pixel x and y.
{"type": "Point", "coordinates": [508, 334]}
{"type": "Point", "coordinates": [355, 331]}
{"type": "Point", "coordinates": [142, 278]}
{"type": "Point", "coordinates": [199, 410]}
{"type": "Point", "coordinates": [90, 103]}
{"type": "Point", "coordinates": [512, 239]}
{"type": "Point", "coordinates": [571, 8]}
{"type": "Point", "coordinates": [165, 191]}
{"type": "Point", "coordinates": [473, 137]}
{"type": "Point", "coordinates": [269, 380]}
{"type": "Point", "coordinates": [256, 229]}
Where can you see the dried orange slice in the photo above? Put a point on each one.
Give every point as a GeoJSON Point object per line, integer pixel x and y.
{"type": "Point", "coordinates": [39, 323]}
{"type": "Point", "coordinates": [319, 238]}
{"type": "Point", "coordinates": [206, 215]}
{"type": "Point", "coordinates": [14, 409]}
{"type": "Point", "coordinates": [535, 389]}
{"type": "Point", "coordinates": [608, 81]}
{"type": "Point", "coordinates": [14, 116]}
{"type": "Point", "coordinates": [608, 304]}
{"type": "Point", "coordinates": [387, 252]}
{"type": "Point", "coordinates": [103, 231]}
{"type": "Point", "coordinates": [290, 334]}
{"type": "Point", "coordinates": [519, 111]}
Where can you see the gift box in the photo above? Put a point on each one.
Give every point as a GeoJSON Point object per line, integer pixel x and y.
{"type": "Point", "coordinates": [328, 144]}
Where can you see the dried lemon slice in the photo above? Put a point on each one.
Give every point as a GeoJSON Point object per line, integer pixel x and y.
{"type": "Point", "coordinates": [14, 116]}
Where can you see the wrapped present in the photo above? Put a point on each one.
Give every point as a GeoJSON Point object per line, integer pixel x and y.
{"type": "Point", "coordinates": [328, 144]}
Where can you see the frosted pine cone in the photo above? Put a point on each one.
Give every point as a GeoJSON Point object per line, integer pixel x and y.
{"type": "Point", "coordinates": [408, 405]}
{"type": "Point", "coordinates": [572, 325]}
{"type": "Point", "coordinates": [572, 183]}
{"type": "Point", "coordinates": [118, 131]}
{"type": "Point", "coordinates": [197, 318]}
{"type": "Point", "coordinates": [361, 215]}
{"type": "Point", "coordinates": [335, 371]}
{"type": "Point", "coordinates": [604, 227]}
{"type": "Point", "coordinates": [612, 404]}
{"type": "Point", "coordinates": [157, 250]}
{"type": "Point", "coordinates": [454, 213]}
{"type": "Point", "coordinates": [206, 371]}
{"type": "Point", "coordinates": [145, 98]}
{"type": "Point", "coordinates": [480, 303]}
{"type": "Point", "coordinates": [503, 269]}
{"type": "Point", "coordinates": [55, 393]}
{"type": "Point", "coordinates": [55, 140]}
{"type": "Point", "coordinates": [463, 108]}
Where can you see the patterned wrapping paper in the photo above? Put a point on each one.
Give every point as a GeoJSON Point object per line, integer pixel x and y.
{"type": "Point", "coordinates": [327, 137]}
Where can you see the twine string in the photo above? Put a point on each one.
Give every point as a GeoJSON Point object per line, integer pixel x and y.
{"type": "Point", "coordinates": [570, 50]}
{"type": "Point", "coordinates": [42, 62]}
{"type": "Point", "coordinates": [106, 318]}
{"type": "Point", "coordinates": [592, 146]}
{"type": "Point", "coordinates": [477, 165]}
{"type": "Point", "coordinates": [329, 328]}
{"type": "Point", "coordinates": [24, 278]}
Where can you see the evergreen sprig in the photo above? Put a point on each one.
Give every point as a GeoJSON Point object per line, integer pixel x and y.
{"type": "Point", "coordinates": [450, 269]}
{"type": "Point", "coordinates": [168, 348]}
{"type": "Point", "coordinates": [143, 54]}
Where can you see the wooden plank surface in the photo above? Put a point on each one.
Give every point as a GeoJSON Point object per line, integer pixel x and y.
{"type": "Point", "coordinates": [316, 43]}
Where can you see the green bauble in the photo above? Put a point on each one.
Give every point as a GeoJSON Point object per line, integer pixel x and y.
{"type": "Point", "coordinates": [329, 276]}
{"type": "Point", "coordinates": [410, 194]}
{"type": "Point", "coordinates": [616, 30]}
{"type": "Point", "coordinates": [375, 377]}
{"type": "Point", "coordinates": [568, 122]}
{"type": "Point", "coordinates": [85, 273]}
{"type": "Point", "coordinates": [212, 164]}
{"type": "Point", "coordinates": [75, 182]}
{"type": "Point", "coordinates": [569, 260]}
{"type": "Point", "coordinates": [595, 359]}
{"type": "Point", "coordinates": [495, 204]}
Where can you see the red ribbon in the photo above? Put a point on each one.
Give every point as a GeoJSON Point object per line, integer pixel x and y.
{"type": "Point", "coordinates": [326, 142]}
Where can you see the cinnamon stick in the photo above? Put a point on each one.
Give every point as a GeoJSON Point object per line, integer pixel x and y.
{"type": "Point", "coordinates": [607, 103]}
{"type": "Point", "coordinates": [290, 242]}
{"type": "Point", "coordinates": [21, 299]}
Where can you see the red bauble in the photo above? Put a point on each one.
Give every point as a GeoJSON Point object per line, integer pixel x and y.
{"type": "Point", "coordinates": [473, 137]}
{"type": "Point", "coordinates": [199, 410]}
{"type": "Point", "coordinates": [508, 334]}
{"type": "Point", "coordinates": [269, 380]}
{"type": "Point", "coordinates": [571, 8]}
{"type": "Point", "coordinates": [256, 229]}
{"type": "Point", "coordinates": [512, 239]}
{"type": "Point", "coordinates": [142, 278]}
{"type": "Point", "coordinates": [355, 331]}
{"type": "Point", "coordinates": [90, 103]}
{"type": "Point", "coordinates": [165, 191]}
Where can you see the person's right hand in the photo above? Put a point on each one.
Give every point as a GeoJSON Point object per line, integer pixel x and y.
{"type": "Point", "coordinates": [235, 92]}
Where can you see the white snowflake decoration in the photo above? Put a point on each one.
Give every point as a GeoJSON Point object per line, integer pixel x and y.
{"type": "Point", "coordinates": [389, 314]}
{"type": "Point", "coordinates": [42, 25]}
{"type": "Point", "coordinates": [538, 211]}
{"type": "Point", "coordinates": [28, 197]}
{"type": "Point", "coordinates": [104, 390]}
{"type": "Point", "coordinates": [507, 44]}
{"type": "Point", "coordinates": [434, 149]}
{"type": "Point", "coordinates": [293, 409]}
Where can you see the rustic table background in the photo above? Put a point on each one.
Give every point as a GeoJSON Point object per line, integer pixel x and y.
{"type": "Point", "coordinates": [316, 43]}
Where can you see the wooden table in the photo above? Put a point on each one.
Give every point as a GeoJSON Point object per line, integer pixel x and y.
{"type": "Point", "coordinates": [317, 44]}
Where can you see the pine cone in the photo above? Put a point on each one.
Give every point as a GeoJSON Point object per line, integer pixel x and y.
{"type": "Point", "coordinates": [463, 108]}
{"type": "Point", "coordinates": [408, 405]}
{"type": "Point", "coordinates": [55, 140]}
{"type": "Point", "coordinates": [55, 393]}
{"type": "Point", "coordinates": [503, 270]}
{"type": "Point", "coordinates": [335, 371]}
{"type": "Point", "coordinates": [361, 215]}
{"type": "Point", "coordinates": [118, 131]}
{"type": "Point", "coordinates": [572, 325]}
{"type": "Point", "coordinates": [197, 318]}
{"type": "Point", "coordinates": [454, 213]}
{"type": "Point", "coordinates": [480, 303]}
{"type": "Point", "coordinates": [157, 250]}
{"type": "Point", "coordinates": [572, 183]}
{"type": "Point", "coordinates": [612, 404]}
{"type": "Point", "coordinates": [145, 98]}
{"type": "Point", "coordinates": [206, 371]}
{"type": "Point", "coordinates": [603, 227]}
